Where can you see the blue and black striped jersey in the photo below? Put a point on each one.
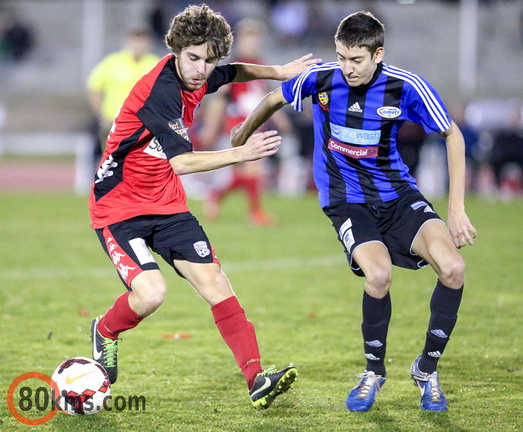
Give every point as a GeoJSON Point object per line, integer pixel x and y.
{"type": "Point", "coordinates": [356, 157]}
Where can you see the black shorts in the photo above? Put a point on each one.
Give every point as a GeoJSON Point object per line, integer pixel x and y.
{"type": "Point", "coordinates": [173, 237]}
{"type": "Point", "coordinates": [394, 223]}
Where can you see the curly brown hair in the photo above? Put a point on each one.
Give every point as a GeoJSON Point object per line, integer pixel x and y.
{"type": "Point", "coordinates": [197, 25]}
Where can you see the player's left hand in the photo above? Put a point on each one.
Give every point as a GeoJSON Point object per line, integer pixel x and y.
{"type": "Point", "coordinates": [296, 67]}
{"type": "Point", "coordinates": [461, 230]}
{"type": "Point", "coordinates": [260, 145]}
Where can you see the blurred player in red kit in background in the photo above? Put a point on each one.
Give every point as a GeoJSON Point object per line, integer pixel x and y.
{"type": "Point", "coordinates": [224, 110]}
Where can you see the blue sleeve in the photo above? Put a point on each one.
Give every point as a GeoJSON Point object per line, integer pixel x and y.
{"type": "Point", "coordinates": [424, 106]}
{"type": "Point", "coordinates": [300, 87]}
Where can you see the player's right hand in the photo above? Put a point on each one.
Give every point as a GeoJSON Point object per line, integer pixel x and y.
{"type": "Point", "coordinates": [296, 67]}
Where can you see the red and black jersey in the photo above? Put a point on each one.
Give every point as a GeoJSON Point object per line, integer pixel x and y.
{"type": "Point", "coordinates": [135, 177]}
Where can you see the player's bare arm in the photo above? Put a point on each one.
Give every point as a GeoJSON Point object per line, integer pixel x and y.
{"type": "Point", "coordinates": [249, 72]}
{"type": "Point", "coordinates": [258, 146]}
{"type": "Point", "coordinates": [271, 103]}
{"type": "Point", "coordinates": [460, 227]}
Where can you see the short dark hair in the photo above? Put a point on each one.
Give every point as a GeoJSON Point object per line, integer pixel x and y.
{"type": "Point", "coordinates": [196, 25]}
{"type": "Point", "coordinates": [361, 29]}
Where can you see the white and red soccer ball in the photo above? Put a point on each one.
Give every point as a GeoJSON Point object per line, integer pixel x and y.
{"type": "Point", "coordinates": [83, 386]}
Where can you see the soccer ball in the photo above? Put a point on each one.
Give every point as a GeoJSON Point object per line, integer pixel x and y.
{"type": "Point", "coordinates": [83, 386]}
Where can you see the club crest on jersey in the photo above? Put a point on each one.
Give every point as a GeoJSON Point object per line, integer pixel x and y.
{"type": "Point", "coordinates": [389, 112]}
{"type": "Point", "coordinates": [323, 97]}
{"type": "Point", "coordinates": [179, 127]}
{"type": "Point", "coordinates": [201, 249]}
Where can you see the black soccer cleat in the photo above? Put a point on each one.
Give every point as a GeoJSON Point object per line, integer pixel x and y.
{"type": "Point", "coordinates": [271, 383]}
{"type": "Point", "coordinates": [105, 351]}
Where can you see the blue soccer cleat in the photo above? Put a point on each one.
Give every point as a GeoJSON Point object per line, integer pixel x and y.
{"type": "Point", "coordinates": [432, 397]}
{"type": "Point", "coordinates": [362, 397]}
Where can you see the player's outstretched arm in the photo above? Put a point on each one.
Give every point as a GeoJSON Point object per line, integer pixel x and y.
{"type": "Point", "coordinates": [249, 72]}
{"type": "Point", "coordinates": [271, 103]}
{"type": "Point", "coordinates": [258, 146]}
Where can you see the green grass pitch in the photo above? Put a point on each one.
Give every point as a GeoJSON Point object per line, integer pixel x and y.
{"type": "Point", "coordinates": [294, 283]}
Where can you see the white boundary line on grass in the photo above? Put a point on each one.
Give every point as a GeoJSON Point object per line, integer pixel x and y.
{"type": "Point", "coordinates": [234, 267]}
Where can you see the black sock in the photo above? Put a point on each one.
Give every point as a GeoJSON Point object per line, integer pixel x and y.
{"type": "Point", "coordinates": [444, 306]}
{"type": "Point", "coordinates": [376, 318]}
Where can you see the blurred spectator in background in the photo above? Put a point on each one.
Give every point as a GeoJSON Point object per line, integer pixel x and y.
{"type": "Point", "coordinates": [506, 156]}
{"type": "Point", "coordinates": [161, 12]}
{"type": "Point", "coordinates": [473, 153]}
{"type": "Point", "coordinates": [414, 144]}
{"type": "Point", "coordinates": [224, 110]}
{"type": "Point", "coordinates": [160, 16]}
{"type": "Point", "coordinates": [17, 37]}
{"type": "Point", "coordinates": [298, 179]}
{"type": "Point", "coordinates": [112, 79]}
{"type": "Point", "coordinates": [411, 137]}
{"type": "Point", "coordinates": [290, 20]}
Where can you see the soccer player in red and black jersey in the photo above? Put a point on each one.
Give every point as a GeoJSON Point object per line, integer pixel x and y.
{"type": "Point", "coordinates": [138, 203]}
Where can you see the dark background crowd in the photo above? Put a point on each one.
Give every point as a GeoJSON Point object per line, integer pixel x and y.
{"type": "Point", "coordinates": [45, 62]}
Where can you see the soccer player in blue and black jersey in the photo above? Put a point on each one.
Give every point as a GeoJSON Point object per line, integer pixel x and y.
{"type": "Point", "coordinates": [381, 218]}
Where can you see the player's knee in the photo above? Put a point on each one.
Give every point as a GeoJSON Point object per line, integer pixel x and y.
{"type": "Point", "coordinates": [148, 298]}
{"type": "Point", "coordinates": [221, 285]}
{"type": "Point", "coordinates": [153, 301]}
{"type": "Point", "coordinates": [378, 281]}
{"type": "Point", "coordinates": [213, 278]}
{"type": "Point", "coordinates": [215, 288]}
{"type": "Point", "coordinates": [452, 273]}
